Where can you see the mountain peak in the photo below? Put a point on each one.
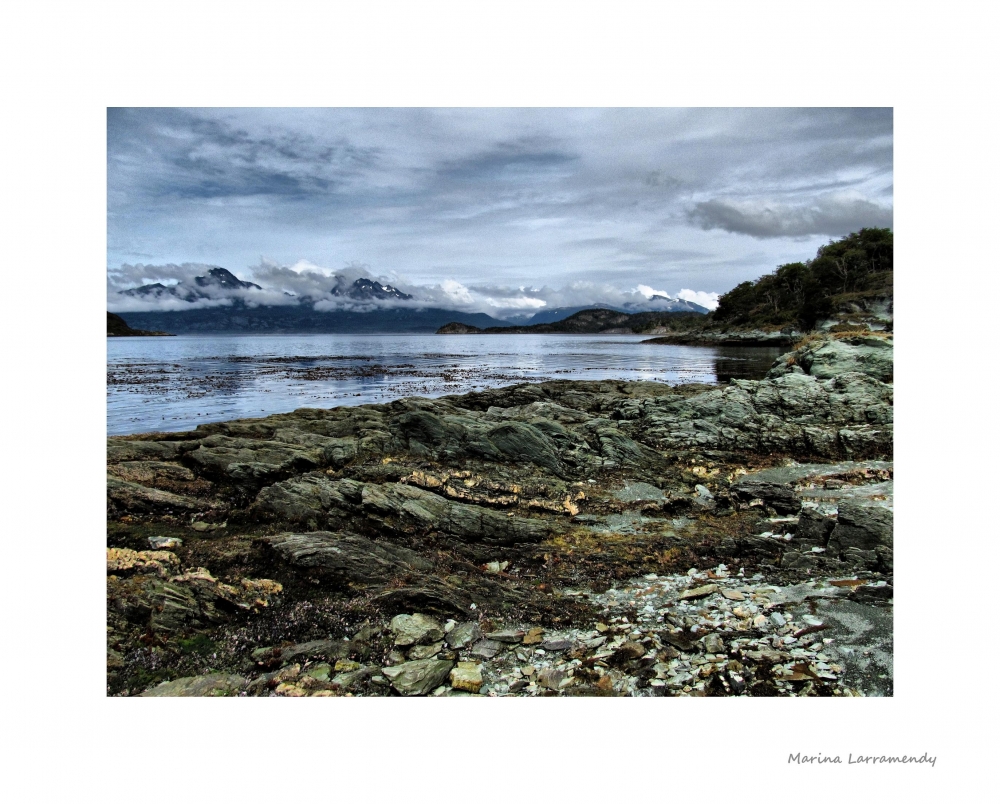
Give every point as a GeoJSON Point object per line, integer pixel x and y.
{"type": "Point", "coordinates": [367, 289]}
{"type": "Point", "coordinates": [220, 277]}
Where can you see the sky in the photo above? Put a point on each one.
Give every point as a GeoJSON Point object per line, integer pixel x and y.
{"type": "Point", "coordinates": [504, 211]}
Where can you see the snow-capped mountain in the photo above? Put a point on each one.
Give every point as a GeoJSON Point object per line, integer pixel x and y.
{"type": "Point", "coordinates": [367, 289]}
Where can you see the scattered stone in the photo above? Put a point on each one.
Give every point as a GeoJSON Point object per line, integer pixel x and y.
{"type": "Point", "coordinates": [732, 594]}
{"type": "Point", "coordinates": [556, 645]}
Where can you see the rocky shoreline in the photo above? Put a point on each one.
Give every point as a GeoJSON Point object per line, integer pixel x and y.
{"type": "Point", "coordinates": [557, 538]}
{"type": "Point", "coordinates": [735, 337]}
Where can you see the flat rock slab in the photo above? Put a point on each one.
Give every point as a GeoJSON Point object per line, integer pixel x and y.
{"type": "Point", "coordinates": [699, 592]}
{"type": "Point", "coordinates": [326, 648]}
{"type": "Point", "coordinates": [213, 685]}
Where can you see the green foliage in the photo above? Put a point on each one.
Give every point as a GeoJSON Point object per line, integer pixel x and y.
{"type": "Point", "coordinates": [199, 644]}
{"type": "Point", "coordinates": [800, 294]}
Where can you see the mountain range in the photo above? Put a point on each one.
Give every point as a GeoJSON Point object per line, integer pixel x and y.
{"type": "Point", "coordinates": [217, 279]}
{"type": "Point", "coordinates": [656, 304]}
{"type": "Point", "coordinates": [378, 309]}
{"type": "Point", "coordinates": [583, 322]}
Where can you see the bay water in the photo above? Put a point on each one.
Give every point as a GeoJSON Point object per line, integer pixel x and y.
{"type": "Point", "coordinates": [175, 383]}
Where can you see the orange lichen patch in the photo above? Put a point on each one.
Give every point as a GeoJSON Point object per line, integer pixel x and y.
{"type": "Point", "coordinates": [571, 507]}
{"type": "Point", "coordinates": [123, 560]}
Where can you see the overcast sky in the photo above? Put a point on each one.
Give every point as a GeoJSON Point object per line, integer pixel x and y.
{"type": "Point", "coordinates": [494, 209]}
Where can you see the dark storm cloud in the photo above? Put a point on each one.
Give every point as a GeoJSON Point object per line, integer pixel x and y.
{"type": "Point", "coordinates": [452, 198]}
{"type": "Point", "coordinates": [828, 215]}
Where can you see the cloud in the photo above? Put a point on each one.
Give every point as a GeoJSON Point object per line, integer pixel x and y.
{"type": "Point", "coordinates": [833, 214]}
{"type": "Point", "coordinates": [649, 292]}
{"type": "Point", "coordinates": [456, 292]}
{"type": "Point", "coordinates": [707, 300]}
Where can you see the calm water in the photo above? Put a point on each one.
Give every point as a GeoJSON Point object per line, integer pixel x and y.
{"type": "Point", "coordinates": [172, 384]}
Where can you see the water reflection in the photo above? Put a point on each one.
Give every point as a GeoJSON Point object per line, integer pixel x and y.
{"type": "Point", "coordinates": [176, 383]}
{"type": "Point", "coordinates": [744, 362]}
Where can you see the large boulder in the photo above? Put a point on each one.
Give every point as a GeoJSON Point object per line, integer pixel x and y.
{"type": "Point", "coordinates": [419, 677]}
{"type": "Point", "coordinates": [825, 359]}
{"type": "Point", "coordinates": [318, 501]}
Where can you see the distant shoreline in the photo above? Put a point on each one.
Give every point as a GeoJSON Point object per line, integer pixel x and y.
{"type": "Point", "coordinates": [118, 328]}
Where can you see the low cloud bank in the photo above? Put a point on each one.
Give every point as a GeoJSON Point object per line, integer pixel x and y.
{"type": "Point", "coordinates": [307, 283]}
